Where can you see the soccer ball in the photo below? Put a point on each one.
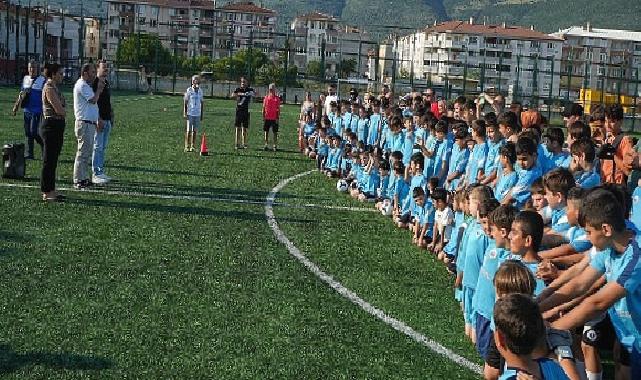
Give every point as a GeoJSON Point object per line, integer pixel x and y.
{"type": "Point", "coordinates": [386, 209]}
{"type": "Point", "coordinates": [342, 186]}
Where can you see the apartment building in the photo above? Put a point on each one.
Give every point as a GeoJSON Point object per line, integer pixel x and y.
{"type": "Point", "coordinates": [192, 27]}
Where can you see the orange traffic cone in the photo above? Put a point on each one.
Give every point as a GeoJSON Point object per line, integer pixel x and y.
{"type": "Point", "coordinates": [203, 146]}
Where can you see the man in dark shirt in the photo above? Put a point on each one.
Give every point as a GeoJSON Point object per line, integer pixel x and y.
{"type": "Point", "coordinates": [104, 126]}
{"type": "Point", "coordinates": [243, 96]}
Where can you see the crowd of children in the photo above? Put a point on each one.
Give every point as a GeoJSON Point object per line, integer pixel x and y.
{"type": "Point", "coordinates": [520, 217]}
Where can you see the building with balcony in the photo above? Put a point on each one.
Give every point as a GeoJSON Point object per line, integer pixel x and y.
{"type": "Point", "coordinates": [475, 57]}
{"type": "Point", "coordinates": [320, 37]}
{"type": "Point", "coordinates": [601, 60]}
{"type": "Point", "coordinates": [191, 27]}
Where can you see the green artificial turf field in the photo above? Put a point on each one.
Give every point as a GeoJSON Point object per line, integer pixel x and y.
{"type": "Point", "coordinates": [172, 271]}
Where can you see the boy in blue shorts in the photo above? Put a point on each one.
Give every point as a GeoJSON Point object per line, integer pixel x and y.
{"type": "Point", "coordinates": [410, 139]}
{"type": "Point", "coordinates": [334, 156]}
{"type": "Point", "coordinates": [401, 189]}
{"type": "Point", "coordinates": [557, 184]}
{"type": "Point", "coordinates": [376, 124]}
{"type": "Point", "coordinates": [386, 185]}
{"type": "Point", "coordinates": [519, 330]}
{"type": "Point", "coordinates": [458, 160]}
{"type": "Point", "coordinates": [500, 222]}
{"type": "Point", "coordinates": [526, 154]}
{"type": "Point", "coordinates": [322, 149]}
{"type": "Point", "coordinates": [582, 166]}
{"type": "Point", "coordinates": [414, 177]}
{"type": "Point", "coordinates": [438, 153]}
{"type": "Point", "coordinates": [362, 125]}
{"type": "Point", "coordinates": [476, 165]}
{"type": "Point", "coordinates": [422, 218]}
{"type": "Point", "coordinates": [618, 261]}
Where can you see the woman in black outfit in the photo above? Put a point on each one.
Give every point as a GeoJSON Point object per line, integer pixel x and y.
{"type": "Point", "coordinates": [52, 131]}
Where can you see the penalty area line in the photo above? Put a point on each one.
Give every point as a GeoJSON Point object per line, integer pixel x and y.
{"type": "Point", "coordinates": [350, 295]}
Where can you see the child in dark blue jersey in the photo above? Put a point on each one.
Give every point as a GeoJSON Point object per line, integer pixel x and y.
{"type": "Point", "coordinates": [526, 154]}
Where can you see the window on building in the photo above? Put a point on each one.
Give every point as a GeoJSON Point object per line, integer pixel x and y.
{"type": "Point", "coordinates": [550, 46]}
{"type": "Point", "coordinates": [602, 57]}
{"type": "Point", "coordinates": [535, 44]}
{"type": "Point", "coordinates": [141, 9]}
{"type": "Point", "coordinates": [473, 40]}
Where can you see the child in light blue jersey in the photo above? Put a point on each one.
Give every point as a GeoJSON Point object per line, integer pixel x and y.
{"type": "Point", "coordinates": [460, 224]}
{"type": "Point", "coordinates": [458, 160]}
{"type": "Point", "coordinates": [396, 136]}
{"type": "Point", "coordinates": [334, 156]}
{"type": "Point", "coordinates": [519, 331]}
{"type": "Point", "coordinates": [500, 223]}
{"type": "Point", "coordinates": [373, 181]}
{"type": "Point", "coordinates": [386, 184]}
{"type": "Point", "coordinates": [409, 141]}
{"type": "Point", "coordinates": [526, 157]}
{"type": "Point", "coordinates": [422, 218]}
{"type": "Point", "coordinates": [605, 225]}
{"type": "Point", "coordinates": [556, 157]}
{"type": "Point", "coordinates": [525, 240]}
{"type": "Point", "coordinates": [492, 164]}
{"type": "Point", "coordinates": [336, 118]}
{"type": "Point", "coordinates": [473, 232]}
{"type": "Point", "coordinates": [308, 127]}
{"type": "Point", "coordinates": [635, 216]}
{"type": "Point", "coordinates": [476, 165]}
{"type": "Point", "coordinates": [477, 243]}
{"type": "Point", "coordinates": [375, 124]}
{"type": "Point", "coordinates": [576, 240]}
{"type": "Point", "coordinates": [401, 188]}
{"type": "Point", "coordinates": [346, 115]}
{"type": "Point", "coordinates": [507, 176]}
{"type": "Point", "coordinates": [428, 145]}
{"type": "Point", "coordinates": [362, 125]}
{"type": "Point", "coordinates": [414, 177]}
{"type": "Point", "coordinates": [558, 183]}
{"type": "Point", "coordinates": [322, 149]}
{"type": "Point", "coordinates": [346, 161]}
{"type": "Point", "coordinates": [582, 165]}
{"type": "Point", "coordinates": [353, 121]}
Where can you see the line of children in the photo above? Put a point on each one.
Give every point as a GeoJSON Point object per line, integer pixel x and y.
{"type": "Point", "coordinates": [491, 201]}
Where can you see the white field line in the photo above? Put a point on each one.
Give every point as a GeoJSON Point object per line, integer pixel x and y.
{"type": "Point", "coordinates": [202, 197]}
{"type": "Point", "coordinates": [349, 294]}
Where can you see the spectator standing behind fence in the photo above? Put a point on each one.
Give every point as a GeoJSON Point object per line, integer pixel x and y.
{"type": "Point", "coordinates": [243, 95]}
{"type": "Point", "coordinates": [86, 112]}
{"type": "Point", "coordinates": [193, 112]}
{"type": "Point", "coordinates": [30, 98]}
{"type": "Point", "coordinates": [105, 123]}
{"type": "Point", "coordinates": [52, 131]}
{"type": "Point", "coordinates": [271, 114]}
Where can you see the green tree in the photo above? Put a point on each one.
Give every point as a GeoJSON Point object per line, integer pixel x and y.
{"type": "Point", "coordinates": [348, 66]}
{"type": "Point", "coordinates": [246, 62]}
{"type": "Point", "coordinates": [313, 69]}
{"type": "Point", "coordinates": [148, 52]}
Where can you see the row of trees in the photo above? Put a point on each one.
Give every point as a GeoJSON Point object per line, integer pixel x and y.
{"type": "Point", "coordinates": [147, 50]}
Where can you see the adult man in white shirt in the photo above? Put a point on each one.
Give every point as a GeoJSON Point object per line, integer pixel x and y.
{"type": "Point", "coordinates": [87, 116]}
{"type": "Point", "coordinates": [193, 112]}
{"type": "Point", "coordinates": [331, 97]}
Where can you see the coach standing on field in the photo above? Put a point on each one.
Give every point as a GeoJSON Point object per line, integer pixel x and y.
{"type": "Point", "coordinates": [271, 114]}
{"type": "Point", "coordinates": [243, 95]}
{"type": "Point", "coordinates": [103, 129]}
{"type": "Point", "coordinates": [86, 112]}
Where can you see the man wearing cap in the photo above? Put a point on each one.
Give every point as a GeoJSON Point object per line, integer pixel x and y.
{"type": "Point", "coordinates": [271, 114]}
{"type": "Point", "coordinates": [192, 112]}
{"type": "Point", "coordinates": [572, 113]}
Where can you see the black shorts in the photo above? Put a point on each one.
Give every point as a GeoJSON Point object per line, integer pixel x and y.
{"type": "Point", "coordinates": [493, 358]}
{"type": "Point", "coordinates": [242, 119]}
{"type": "Point", "coordinates": [271, 124]}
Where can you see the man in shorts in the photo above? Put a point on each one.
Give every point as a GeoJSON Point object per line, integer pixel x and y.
{"type": "Point", "coordinates": [243, 96]}
{"type": "Point", "coordinates": [271, 114]}
{"type": "Point", "coordinates": [193, 112]}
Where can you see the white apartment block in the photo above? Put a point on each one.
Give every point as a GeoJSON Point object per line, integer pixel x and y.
{"type": "Point", "coordinates": [605, 60]}
{"type": "Point", "coordinates": [317, 33]}
{"type": "Point", "coordinates": [479, 56]}
{"type": "Point", "coordinates": [192, 27]}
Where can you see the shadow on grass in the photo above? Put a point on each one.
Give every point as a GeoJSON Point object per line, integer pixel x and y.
{"type": "Point", "coordinates": [11, 238]}
{"type": "Point", "coordinates": [11, 361]}
{"type": "Point", "coordinates": [266, 156]}
{"type": "Point", "coordinates": [161, 171]}
{"type": "Point", "coordinates": [179, 210]}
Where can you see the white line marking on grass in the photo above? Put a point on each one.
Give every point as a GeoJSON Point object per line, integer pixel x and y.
{"type": "Point", "coordinates": [349, 294]}
{"type": "Point", "coordinates": [201, 197]}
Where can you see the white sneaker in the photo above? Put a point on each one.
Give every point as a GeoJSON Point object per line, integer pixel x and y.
{"type": "Point", "coordinates": [99, 180]}
{"type": "Point", "coordinates": [103, 175]}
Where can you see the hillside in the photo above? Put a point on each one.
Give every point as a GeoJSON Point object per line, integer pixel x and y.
{"type": "Point", "coordinates": [377, 15]}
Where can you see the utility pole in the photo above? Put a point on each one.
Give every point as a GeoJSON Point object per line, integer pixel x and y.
{"type": "Point", "coordinates": [26, 42]}
{"type": "Point", "coordinates": [322, 62]}
{"type": "Point", "coordinates": [17, 40]}
{"type": "Point", "coordinates": [286, 67]}
{"type": "Point", "coordinates": [81, 34]}
{"type": "Point", "coordinates": [44, 32]}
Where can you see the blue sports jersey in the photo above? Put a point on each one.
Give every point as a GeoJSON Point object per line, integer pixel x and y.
{"type": "Point", "coordinates": [462, 248]}
{"type": "Point", "coordinates": [375, 124]}
{"type": "Point", "coordinates": [383, 187]}
{"type": "Point", "coordinates": [372, 182]}
{"type": "Point", "coordinates": [625, 270]}
{"type": "Point", "coordinates": [560, 220]}
{"type": "Point", "coordinates": [485, 294]}
{"type": "Point", "coordinates": [408, 147]}
{"type": "Point", "coordinates": [635, 216]}
{"type": "Point", "coordinates": [333, 160]}
{"type": "Point", "coordinates": [521, 191]}
{"type": "Point", "coordinates": [346, 120]}
{"type": "Point", "coordinates": [346, 165]}
{"type": "Point", "coordinates": [441, 160]}
{"type": "Point", "coordinates": [416, 181]}
{"type": "Point", "coordinates": [458, 163]}
{"type": "Point", "coordinates": [492, 161]}
{"type": "Point", "coordinates": [322, 147]}
{"type": "Point", "coordinates": [362, 127]}
{"type": "Point", "coordinates": [428, 165]}
{"type": "Point", "coordinates": [556, 160]}
{"type": "Point", "coordinates": [532, 266]}
{"type": "Point", "coordinates": [386, 136]}
{"type": "Point", "coordinates": [428, 217]}
{"type": "Point", "coordinates": [397, 141]}
{"type": "Point", "coordinates": [587, 179]}
{"type": "Point", "coordinates": [475, 248]}
{"type": "Point", "coordinates": [401, 189]}
{"type": "Point", "coordinates": [578, 239]}
{"type": "Point", "coordinates": [476, 163]}
{"type": "Point", "coordinates": [309, 129]}
{"type": "Point", "coordinates": [457, 233]}
{"type": "Point", "coordinates": [550, 370]}
{"type": "Point", "coordinates": [504, 184]}
{"type": "Point", "coordinates": [34, 98]}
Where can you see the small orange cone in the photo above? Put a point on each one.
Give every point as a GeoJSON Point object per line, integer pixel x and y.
{"type": "Point", "coordinates": [203, 146]}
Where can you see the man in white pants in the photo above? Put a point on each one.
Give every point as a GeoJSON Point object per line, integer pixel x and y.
{"type": "Point", "coordinates": [193, 112]}
{"type": "Point", "coordinates": [86, 113]}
